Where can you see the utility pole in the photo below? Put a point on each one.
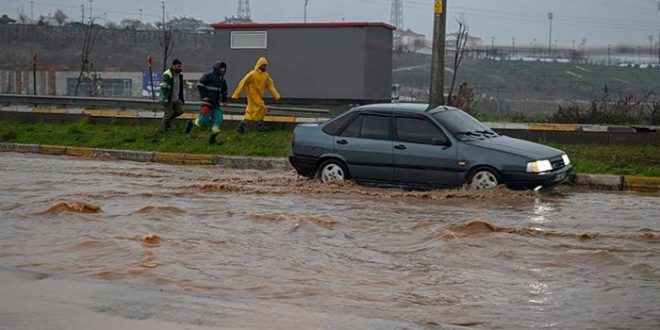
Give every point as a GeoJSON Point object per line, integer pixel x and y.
{"type": "Point", "coordinates": [658, 38]}
{"type": "Point", "coordinates": [492, 47]}
{"type": "Point", "coordinates": [534, 49]}
{"type": "Point", "coordinates": [82, 13]}
{"type": "Point", "coordinates": [34, 73]}
{"type": "Point", "coordinates": [32, 11]}
{"type": "Point", "coordinates": [396, 19]}
{"type": "Point", "coordinates": [513, 47]}
{"type": "Point", "coordinates": [162, 5]}
{"type": "Point", "coordinates": [90, 9]}
{"type": "Point", "coordinates": [305, 17]}
{"type": "Point", "coordinates": [551, 16]}
{"type": "Point", "coordinates": [609, 54]}
{"type": "Point", "coordinates": [651, 50]}
{"type": "Point", "coordinates": [140, 14]}
{"type": "Point", "coordinates": [437, 89]}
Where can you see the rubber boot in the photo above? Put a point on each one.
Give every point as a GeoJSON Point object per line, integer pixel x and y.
{"type": "Point", "coordinates": [212, 139]}
{"type": "Point", "coordinates": [241, 127]}
{"type": "Point", "coordinates": [189, 126]}
{"type": "Point", "coordinates": [261, 126]}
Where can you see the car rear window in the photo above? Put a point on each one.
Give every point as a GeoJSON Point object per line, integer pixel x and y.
{"type": "Point", "coordinates": [353, 129]}
{"type": "Point", "coordinates": [375, 127]}
{"type": "Point", "coordinates": [336, 125]}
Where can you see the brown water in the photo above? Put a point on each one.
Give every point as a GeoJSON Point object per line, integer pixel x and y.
{"type": "Point", "coordinates": [496, 259]}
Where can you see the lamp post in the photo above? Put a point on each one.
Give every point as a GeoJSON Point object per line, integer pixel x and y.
{"type": "Point", "coordinates": [513, 47]}
{"type": "Point", "coordinates": [659, 37]}
{"type": "Point", "coordinates": [492, 47]}
{"type": "Point", "coordinates": [551, 16]}
{"type": "Point", "coordinates": [305, 11]}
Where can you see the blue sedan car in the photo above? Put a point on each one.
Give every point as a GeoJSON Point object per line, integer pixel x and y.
{"type": "Point", "coordinates": [407, 145]}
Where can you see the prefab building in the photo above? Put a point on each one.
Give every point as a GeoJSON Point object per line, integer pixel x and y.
{"type": "Point", "coordinates": [313, 61]}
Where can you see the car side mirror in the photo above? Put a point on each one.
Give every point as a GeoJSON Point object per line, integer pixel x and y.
{"type": "Point", "coordinates": [439, 141]}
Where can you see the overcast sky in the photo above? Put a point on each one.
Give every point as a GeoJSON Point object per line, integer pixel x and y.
{"type": "Point", "coordinates": [599, 21]}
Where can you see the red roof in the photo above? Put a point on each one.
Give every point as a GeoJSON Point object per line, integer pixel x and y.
{"type": "Point", "coordinates": [299, 25]}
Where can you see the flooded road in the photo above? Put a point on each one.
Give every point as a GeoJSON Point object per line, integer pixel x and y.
{"type": "Point", "coordinates": [496, 259]}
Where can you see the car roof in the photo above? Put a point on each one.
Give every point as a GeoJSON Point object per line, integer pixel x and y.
{"type": "Point", "coordinates": [404, 107]}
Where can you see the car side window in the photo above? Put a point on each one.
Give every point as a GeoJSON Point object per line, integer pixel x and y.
{"type": "Point", "coordinates": [417, 130]}
{"type": "Point", "coordinates": [353, 129]}
{"type": "Point", "coordinates": [376, 127]}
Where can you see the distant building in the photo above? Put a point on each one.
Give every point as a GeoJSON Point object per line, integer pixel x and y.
{"type": "Point", "coordinates": [4, 19]}
{"type": "Point", "coordinates": [472, 42]}
{"type": "Point", "coordinates": [412, 41]}
{"type": "Point", "coordinates": [322, 61]}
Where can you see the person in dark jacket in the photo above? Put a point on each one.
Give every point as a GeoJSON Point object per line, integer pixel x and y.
{"type": "Point", "coordinates": [171, 94]}
{"type": "Point", "coordinates": [212, 88]}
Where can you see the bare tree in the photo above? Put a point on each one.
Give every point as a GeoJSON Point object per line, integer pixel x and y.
{"type": "Point", "coordinates": [166, 44]}
{"type": "Point", "coordinates": [60, 17]}
{"type": "Point", "coordinates": [91, 33]}
{"type": "Point", "coordinates": [459, 52]}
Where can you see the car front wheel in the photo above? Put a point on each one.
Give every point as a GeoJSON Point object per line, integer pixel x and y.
{"type": "Point", "coordinates": [483, 179]}
{"type": "Point", "coordinates": [332, 170]}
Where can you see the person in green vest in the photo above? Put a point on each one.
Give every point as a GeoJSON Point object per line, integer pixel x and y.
{"type": "Point", "coordinates": [171, 94]}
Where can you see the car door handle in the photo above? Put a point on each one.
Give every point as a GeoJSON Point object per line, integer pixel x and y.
{"type": "Point", "coordinates": [400, 147]}
{"type": "Point", "coordinates": [342, 142]}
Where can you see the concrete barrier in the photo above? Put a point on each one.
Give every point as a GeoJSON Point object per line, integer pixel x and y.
{"type": "Point", "coordinates": [7, 147]}
{"type": "Point", "coordinates": [80, 152]}
{"type": "Point", "coordinates": [642, 183]}
{"type": "Point", "coordinates": [136, 156]}
{"type": "Point", "coordinates": [27, 148]}
{"type": "Point", "coordinates": [168, 158]}
{"type": "Point", "coordinates": [610, 182]}
{"type": "Point", "coordinates": [52, 150]}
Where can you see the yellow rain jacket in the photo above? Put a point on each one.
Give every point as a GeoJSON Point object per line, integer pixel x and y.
{"type": "Point", "coordinates": [256, 82]}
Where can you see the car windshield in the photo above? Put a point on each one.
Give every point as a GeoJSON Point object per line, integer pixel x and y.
{"type": "Point", "coordinates": [463, 126]}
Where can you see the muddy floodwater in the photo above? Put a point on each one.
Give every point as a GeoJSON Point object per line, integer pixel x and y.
{"type": "Point", "coordinates": [391, 258]}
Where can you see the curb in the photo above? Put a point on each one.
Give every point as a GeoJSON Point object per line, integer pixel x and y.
{"type": "Point", "coordinates": [601, 181]}
{"type": "Point", "coordinates": [238, 162]}
{"type": "Point", "coordinates": [136, 156]}
{"type": "Point", "coordinates": [642, 183]}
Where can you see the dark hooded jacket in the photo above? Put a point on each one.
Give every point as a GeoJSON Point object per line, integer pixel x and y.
{"type": "Point", "coordinates": [213, 86]}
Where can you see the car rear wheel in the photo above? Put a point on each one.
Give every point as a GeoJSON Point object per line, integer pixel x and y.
{"type": "Point", "coordinates": [332, 170]}
{"type": "Point", "coordinates": [483, 179]}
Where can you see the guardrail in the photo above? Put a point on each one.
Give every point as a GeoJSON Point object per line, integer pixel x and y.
{"type": "Point", "coordinates": [146, 105]}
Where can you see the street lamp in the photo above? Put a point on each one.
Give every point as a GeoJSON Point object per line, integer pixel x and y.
{"type": "Point", "coordinates": [650, 48]}
{"type": "Point", "coordinates": [305, 17]}
{"type": "Point", "coordinates": [658, 38]}
{"type": "Point", "coordinates": [551, 16]}
{"type": "Point", "coordinates": [513, 47]}
{"type": "Point", "coordinates": [492, 47]}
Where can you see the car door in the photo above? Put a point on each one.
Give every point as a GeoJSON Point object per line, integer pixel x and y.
{"type": "Point", "coordinates": [423, 155]}
{"type": "Point", "coordinates": [366, 145]}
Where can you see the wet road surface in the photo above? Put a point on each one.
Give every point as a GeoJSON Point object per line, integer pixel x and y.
{"type": "Point", "coordinates": [382, 258]}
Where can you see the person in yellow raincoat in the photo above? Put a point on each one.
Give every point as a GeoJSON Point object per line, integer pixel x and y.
{"type": "Point", "coordinates": [256, 81]}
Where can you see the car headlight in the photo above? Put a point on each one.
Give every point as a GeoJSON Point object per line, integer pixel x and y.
{"type": "Point", "coordinates": [567, 161]}
{"type": "Point", "coordinates": [539, 166]}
